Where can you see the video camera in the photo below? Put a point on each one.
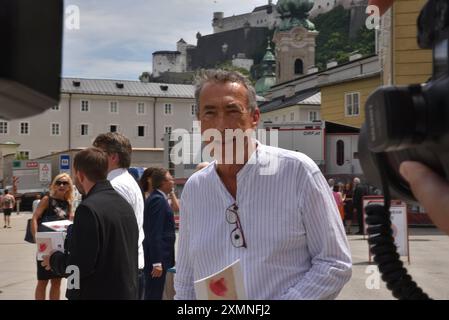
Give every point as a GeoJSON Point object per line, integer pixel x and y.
{"type": "Point", "coordinates": [406, 123]}
{"type": "Point", "coordinates": [411, 122]}
{"type": "Point", "coordinates": [30, 56]}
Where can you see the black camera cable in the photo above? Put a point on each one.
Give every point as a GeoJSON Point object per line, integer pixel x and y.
{"type": "Point", "coordinates": [383, 248]}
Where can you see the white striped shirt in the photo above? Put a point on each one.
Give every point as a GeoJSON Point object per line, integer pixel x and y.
{"type": "Point", "coordinates": [127, 187]}
{"type": "Point", "coordinates": [296, 244]}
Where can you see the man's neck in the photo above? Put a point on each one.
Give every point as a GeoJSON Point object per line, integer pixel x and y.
{"type": "Point", "coordinates": [228, 171]}
{"type": "Point", "coordinates": [164, 192]}
{"type": "Point", "coordinates": [112, 168]}
{"type": "Point", "coordinates": [88, 187]}
{"type": "Point", "coordinates": [231, 170]}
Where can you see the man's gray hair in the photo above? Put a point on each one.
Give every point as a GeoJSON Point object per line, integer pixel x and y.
{"type": "Point", "coordinates": [223, 76]}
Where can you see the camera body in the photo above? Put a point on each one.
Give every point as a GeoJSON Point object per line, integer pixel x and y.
{"type": "Point", "coordinates": [30, 56]}
{"type": "Point", "coordinates": [411, 122]}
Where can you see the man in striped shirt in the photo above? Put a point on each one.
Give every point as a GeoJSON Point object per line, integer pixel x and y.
{"type": "Point", "coordinates": [273, 211]}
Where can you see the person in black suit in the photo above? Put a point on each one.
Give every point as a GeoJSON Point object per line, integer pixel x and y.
{"type": "Point", "coordinates": [360, 190]}
{"type": "Point", "coordinates": [103, 241]}
{"type": "Point", "coordinates": [159, 228]}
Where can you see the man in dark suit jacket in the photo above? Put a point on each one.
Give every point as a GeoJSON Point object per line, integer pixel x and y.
{"type": "Point", "coordinates": [360, 190]}
{"type": "Point", "coordinates": [103, 241]}
{"type": "Point", "coordinates": [159, 228]}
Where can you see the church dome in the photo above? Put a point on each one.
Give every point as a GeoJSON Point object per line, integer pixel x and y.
{"type": "Point", "coordinates": [264, 84]}
{"type": "Point", "coordinates": [294, 13]}
{"type": "Point", "coordinates": [286, 7]}
{"type": "Point", "coordinates": [269, 56]}
{"type": "Point", "coordinates": [269, 76]}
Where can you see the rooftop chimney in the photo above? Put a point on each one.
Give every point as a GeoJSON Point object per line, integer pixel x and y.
{"type": "Point", "coordinates": [356, 56]}
{"type": "Point", "coordinates": [312, 69]}
{"type": "Point", "coordinates": [331, 64]}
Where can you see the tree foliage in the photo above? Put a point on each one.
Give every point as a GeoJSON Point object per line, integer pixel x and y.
{"type": "Point", "coordinates": [229, 67]}
{"type": "Point", "coordinates": [333, 41]}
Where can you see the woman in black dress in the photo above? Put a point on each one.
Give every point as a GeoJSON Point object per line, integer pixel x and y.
{"type": "Point", "coordinates": [57, 206]}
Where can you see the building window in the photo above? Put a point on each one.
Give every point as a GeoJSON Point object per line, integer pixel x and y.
{"type": "Point", "coordinates": [299, 66]}
{"type": "Point", "coordinates": [24, 155]}
{"type": "Point", "coordinates": [84, 106]}
{"type": "Point", "coordinates": [284, 118]}
{"type": "Point", "coordinates": [168, 129]}
{"type": "Point", "coordinates": [352, 104]}
{"type": "Point", "coordinates": [55, 129]}
{"type": "Point", "coordinates": [292, 116]}
{"type": "Point", "coordinates": [276, 119]}
{"type": "Point", "coordinates": [194, 110]}
{"type": "Point", "coordinates": [84, 130]}
{"type": "Point", "coordinates": [313, 116]}
{"type": "Point", "coordinates": [55, 108]}
{"type": "Point", "coordinates": [340, 152]}
{"type": "Point", "coordinates": [3, 127]}
{"type": "Point", "coordinates": [141, 131]}
{"type": "Point", "coordinates": [113, 107]}
{"type": "Point", "coordinates": [168, 109]}
{"type": "Point", "coordinates": [141, 108]}
{"type": "Point", "coordinates": [113, 128]}
{"type": "Point", "coordinates": [24, 128]}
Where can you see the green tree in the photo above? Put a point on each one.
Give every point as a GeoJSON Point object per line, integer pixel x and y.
{"type": "Point", "coordinates": [365, 42]}
{"type": "Point", "coordinates": [229, 67]}
{"type": "Point", "coordinates": [333, 39]}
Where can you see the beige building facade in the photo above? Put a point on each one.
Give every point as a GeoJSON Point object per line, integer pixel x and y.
{"type": "Point", "coordinates": [143, 112]}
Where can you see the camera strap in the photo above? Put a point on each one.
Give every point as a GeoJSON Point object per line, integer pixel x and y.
{"type": "Point", "coordinates": [383, 248]}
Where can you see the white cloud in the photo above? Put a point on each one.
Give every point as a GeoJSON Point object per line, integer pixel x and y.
{"type": "Point", "coordinates": [98, 68]}
{"type": "Point", "coordinates": [116, 38]}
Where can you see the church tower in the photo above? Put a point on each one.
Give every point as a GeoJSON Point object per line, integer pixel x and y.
{"type": "Point", "coordinates": [268, 72]}
{"type": "Point", "coordinates": [295, 40]}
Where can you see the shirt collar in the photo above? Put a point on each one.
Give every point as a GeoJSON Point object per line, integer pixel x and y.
{"type": "Point", "coordinates": [163, 193]}
{"type": "Point", "coordinates": [98, 187]}
{"type": "Point", "coordinates": [253, 161]}
{"type": "Point", "coordinates": [115, 173]}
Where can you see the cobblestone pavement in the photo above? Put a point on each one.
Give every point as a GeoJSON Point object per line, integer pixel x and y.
{"type": "Point", "coordinates": [429, 251]}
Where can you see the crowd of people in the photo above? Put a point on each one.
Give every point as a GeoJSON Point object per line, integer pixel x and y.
{"type": "Point", "coordinates": [100, 240]}
{"type": "Point", "coordinates": [123, 233]}
{"type": "Point", "coordinates": [119, 221]}
{"type": "Point", "coordinates": [349, 200]}
{"type": "Point", "coordinates": [285, 227]}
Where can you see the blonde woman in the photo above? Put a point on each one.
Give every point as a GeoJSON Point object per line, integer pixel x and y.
{"type": "Point", "coordinates": [56, 206]}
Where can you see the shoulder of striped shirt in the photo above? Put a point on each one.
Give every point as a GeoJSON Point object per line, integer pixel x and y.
{"type": "Point", "coordinates": [296, 158]}
{"type": "Point", "coordinates": [293, 158]}
{"type": "Point", "coordinates": [199, 175]}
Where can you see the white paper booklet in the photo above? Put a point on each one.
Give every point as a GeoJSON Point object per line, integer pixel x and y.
{"type": "Point", "coordinates": [47, 242]}
{"type": "Point", "coordinates": [60, 225]}
{"type": "Point", "coordinates": [226, 284]}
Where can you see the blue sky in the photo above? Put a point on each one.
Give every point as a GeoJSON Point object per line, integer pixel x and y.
{"type": "Point", "coordinates": [116, 38]}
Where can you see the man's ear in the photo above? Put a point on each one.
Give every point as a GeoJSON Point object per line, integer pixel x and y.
{"type": "Point", "coordinates": [81, 176]}
{"type": "Point", "coordinates": [114, 158]}
{"type": "Point", "coordinates": [255, 117]}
